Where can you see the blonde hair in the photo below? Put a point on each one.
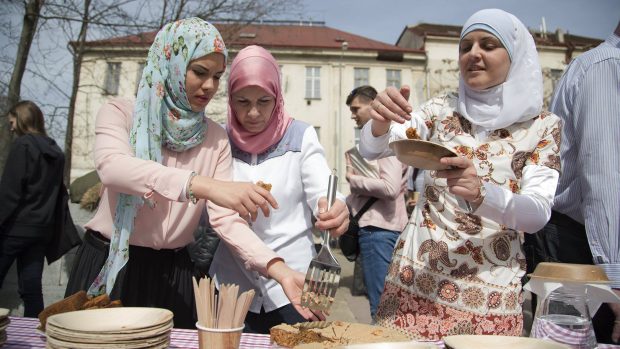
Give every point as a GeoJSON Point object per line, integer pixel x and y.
{"type": "Point", "coordinates": [29, 118]}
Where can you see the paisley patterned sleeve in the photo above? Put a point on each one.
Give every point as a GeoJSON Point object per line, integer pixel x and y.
{"type": "Point", "coordinates": [547, 151]}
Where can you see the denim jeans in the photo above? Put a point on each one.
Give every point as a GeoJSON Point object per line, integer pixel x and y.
{"type": "Point", "coordinates": [376, 247]}
{"type": "Point", "coordinates": [30, 254]}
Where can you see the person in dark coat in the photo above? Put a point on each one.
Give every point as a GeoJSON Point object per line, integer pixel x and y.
{"type": "Point", "coordinates": [29, 190]}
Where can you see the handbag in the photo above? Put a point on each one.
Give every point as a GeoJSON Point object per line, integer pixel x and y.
{"type": "Point", "coordinates": [348, 241]}
{"type": "Point", "coordinates": [202, 249]}
{"type": "Point", "coordinates": [64, 235]}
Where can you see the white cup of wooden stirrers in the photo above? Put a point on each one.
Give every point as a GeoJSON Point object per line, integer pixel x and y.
{"type": "Point", "coordinates": [221, 315]}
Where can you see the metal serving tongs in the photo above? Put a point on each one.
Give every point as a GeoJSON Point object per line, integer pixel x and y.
{"type": "Point", "coordinates": [323, 274]}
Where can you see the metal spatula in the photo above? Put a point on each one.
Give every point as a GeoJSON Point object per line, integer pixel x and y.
{"type": "Point", "coordinates": [323, 274]}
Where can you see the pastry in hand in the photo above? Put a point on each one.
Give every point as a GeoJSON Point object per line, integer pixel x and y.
{"type": "Point", "coordinates": [412, 133]}
{"type": "Point", "coordinates": [264, 185]}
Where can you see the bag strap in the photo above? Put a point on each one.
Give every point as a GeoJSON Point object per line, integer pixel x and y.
{"type": "Point", "coordinates": [365, 208]}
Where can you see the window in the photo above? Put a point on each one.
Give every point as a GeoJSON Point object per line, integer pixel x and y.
{"type": "Point", "coordinates": [317, 129]}
{"type": "Point", "coordinates": [555, 75]}
{"type": "Point", "coordinates": [139, 70]}
{"type": "Point", "coordinates": [112, 78]}
{"type": "Point", "coordinates": [393, 78]}
{"type": "Point", "coordinates": [313, 82]}
{"type": "Point", "coordinates": [360, 76]}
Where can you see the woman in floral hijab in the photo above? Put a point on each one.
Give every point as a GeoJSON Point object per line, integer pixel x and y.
{"type": "Point", "coordinates": [457, 266]}
{"type": "Point", "coordinates": [161, 161]}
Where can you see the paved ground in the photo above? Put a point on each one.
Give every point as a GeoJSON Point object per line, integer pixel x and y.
{"type": "Point", "coordinates": [347, 307]}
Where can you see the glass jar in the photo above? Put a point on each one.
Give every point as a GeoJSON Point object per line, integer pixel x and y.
{"type": "Point", "coordinates": [564, 317]}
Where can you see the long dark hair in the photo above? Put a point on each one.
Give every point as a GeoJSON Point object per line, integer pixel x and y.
{"type": "Point", "coordinates": [29, 118]}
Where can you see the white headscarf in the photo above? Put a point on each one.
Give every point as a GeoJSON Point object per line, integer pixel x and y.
{"type": "Point", "coordinates": [520, 97]}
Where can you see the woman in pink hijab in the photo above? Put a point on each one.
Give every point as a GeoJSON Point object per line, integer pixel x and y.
{"type": "Point", "coordinates": [271, 147]}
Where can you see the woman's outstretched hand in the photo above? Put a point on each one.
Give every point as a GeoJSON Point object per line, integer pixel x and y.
{"type": "Point", "coordinates": [292, 283]}
{"type": "Point", "coordinates": [462, 178]}
{"type": "Point", "coordinates": [243, 197]}
{"type": "Point", "coordinates": [336, 220]}
{"type": "Point", "coordinates": [390, 105]}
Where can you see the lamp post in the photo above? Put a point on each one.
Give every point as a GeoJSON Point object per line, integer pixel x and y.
{"type": "Point", "coordinates": [343, 47]}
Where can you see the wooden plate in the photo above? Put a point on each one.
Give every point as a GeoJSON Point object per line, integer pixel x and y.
{"type": "Point", "coordinates": [421, 154]}
{"type": "Point", "coordinates": [570, 272]}
{"type": "Point", "coordinates": [392, 345]}
{"type": "Point", "coordinates": [114, 320]}
{"type": "Point", "coordinates": [494, 342]}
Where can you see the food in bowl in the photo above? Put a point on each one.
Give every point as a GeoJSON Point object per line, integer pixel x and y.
{"type": "Point", "coordinates": [412, 133]}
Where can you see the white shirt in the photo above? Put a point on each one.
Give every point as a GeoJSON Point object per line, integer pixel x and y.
{"type": "Point", "coordinates": [299, 174]}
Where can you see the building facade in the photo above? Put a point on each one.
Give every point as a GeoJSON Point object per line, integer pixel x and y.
{"type": "Point", "coordinates": [440, 44]}
{"type": "Point", "coordinates": [319, 65]}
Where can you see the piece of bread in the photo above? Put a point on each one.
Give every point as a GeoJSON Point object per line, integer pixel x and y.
{"type": "Point", "coordinates": [97, 302]}
{"type": "Point", "coordinates": [71, 303]}
{"type": "Point", "coordinates": [264, 185]}
{"type": "Point", "coordinates": [333, 334]}
{"type": "Point", "coordinates": [77, 301]}
{"type": "Point", "coordinates": [114, 304]}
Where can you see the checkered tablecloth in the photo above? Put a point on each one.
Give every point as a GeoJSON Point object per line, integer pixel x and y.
{"type": "Point", "coordinates": [22, 334]}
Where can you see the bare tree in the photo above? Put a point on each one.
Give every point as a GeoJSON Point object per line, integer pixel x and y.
{"type": "Point", "coordinates": [76, 23]}
{"type": "Point", "coordinates": [77, 49]}
{"type": "Point", "coordinates": [29, 27]}
{"type": "Point", "coordinates": [104, 18]}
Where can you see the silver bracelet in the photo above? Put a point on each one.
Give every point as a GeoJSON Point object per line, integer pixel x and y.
{"type": "Point", "coordinates": [190, 194]}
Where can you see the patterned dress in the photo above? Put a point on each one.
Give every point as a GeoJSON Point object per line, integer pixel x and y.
{"type": "Point", "coordinates": [454, 272]}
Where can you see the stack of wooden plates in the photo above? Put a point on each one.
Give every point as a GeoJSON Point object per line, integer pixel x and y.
{"type": "Point", "coordinates": [4, 323]}
{"type": "Point", "coordinates": [124, 328]}
{"type": "Point", "coordinates": [561, 272]}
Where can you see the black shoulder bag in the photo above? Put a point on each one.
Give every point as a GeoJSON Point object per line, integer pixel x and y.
{"type": "Point", "coordinates": [202, 249]}
{"type": "Point", "coordinates": [348, 241]}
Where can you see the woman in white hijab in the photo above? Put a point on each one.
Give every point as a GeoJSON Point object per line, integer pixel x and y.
{"type": "Point", "coordinates": [458, 265]}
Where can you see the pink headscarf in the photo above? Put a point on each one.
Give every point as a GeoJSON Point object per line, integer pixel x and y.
{"type": "Point", "coordinates": [255, 66]}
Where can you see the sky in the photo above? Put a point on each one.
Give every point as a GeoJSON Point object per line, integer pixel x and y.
{"type": "Point", "coordinates": [384, 20]}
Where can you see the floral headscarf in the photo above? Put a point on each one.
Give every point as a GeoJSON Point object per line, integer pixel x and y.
{"type": "Point", "coordinates": [255, 66]}
{"type": "Point", "coordinates": [162, 117]}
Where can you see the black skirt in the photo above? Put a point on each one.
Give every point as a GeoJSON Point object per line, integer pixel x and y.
{"type": "Point", "coordinates": [151, 278]}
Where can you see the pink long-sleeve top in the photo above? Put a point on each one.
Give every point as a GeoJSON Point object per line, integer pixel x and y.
{"type": "Point", "coordinates": [170, 223]}
{"type": "Point", "coordinates": [389, 211]}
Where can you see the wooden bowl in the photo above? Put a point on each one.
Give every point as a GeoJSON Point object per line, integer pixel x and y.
{"type": "Point", "coordinates": [421, 154]}
{"type": "Point", "coordinates": [569, 272]}
{"type": "Point", "coordinates": [494, 342]}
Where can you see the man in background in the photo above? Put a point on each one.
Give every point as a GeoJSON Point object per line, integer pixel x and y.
{"type": "Point", "coordinates": [385, 180]}
{"type": "Point", "coordinates": [585, 222]}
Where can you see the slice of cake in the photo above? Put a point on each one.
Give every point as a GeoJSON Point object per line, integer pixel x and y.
{"type": "Point", "coordinates": [331, 334]}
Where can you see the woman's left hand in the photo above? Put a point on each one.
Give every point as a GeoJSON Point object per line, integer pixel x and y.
{"type": "Point", "coordinates": [462, 178]}
{"type": "Point", "coordinates": [336, 220]}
